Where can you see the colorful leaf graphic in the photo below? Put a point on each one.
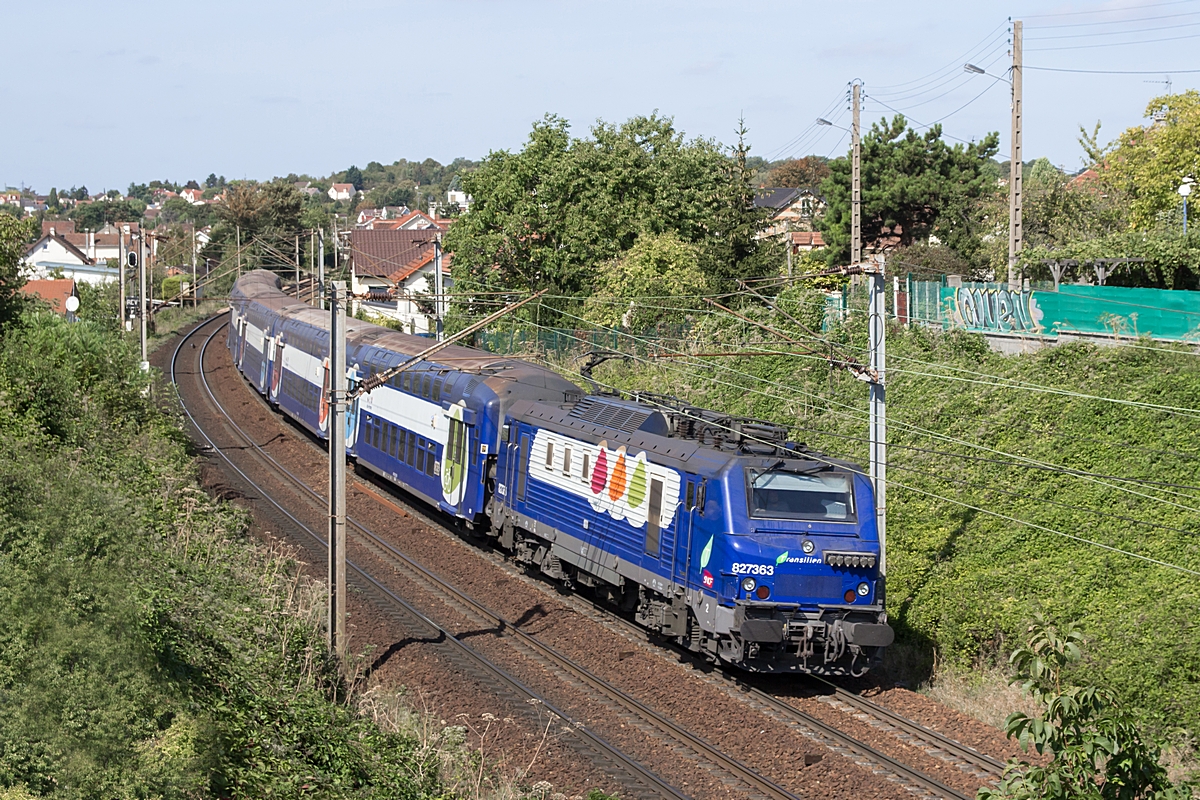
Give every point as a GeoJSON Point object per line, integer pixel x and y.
{"type": "Point", "coordinates": [637, 485]}
{"type": "Point", "coordinates": [600, 473]}
{"type": "Point", "coordinates": [706, 553]}
{"type": "Point", "coordinates": [616, 485]}
{"type": "Point", "coordinates": [782, 558]}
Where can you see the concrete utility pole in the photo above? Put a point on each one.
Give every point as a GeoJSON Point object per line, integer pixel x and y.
{"type": "Point", "coordinates": [1015, 235]}
{"type": "Point", "coordinates": [195, 292]}
{"type": "Point", "coordinates": [439, 287]}
{"type": "Point", "coordinates": [239, 250]}
{"type": "Point", "coordinates": [855, 182]}
{"type": "Point", "coordinates": [142, 294]}
{"type": "Point", "coordinates": [321, 266]}
{"type": "Point", "coordinates": [877, 329]}
{"type": "Point", "coordinates": [337, 469]}
{"type": "Point", "coordinates": [121, 267]}
{"type": "Point", "coordinates": [312, 267]}
{"type": "Point", "coordinates": [297, 266]}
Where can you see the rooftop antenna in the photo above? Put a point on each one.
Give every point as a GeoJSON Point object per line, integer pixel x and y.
{"type": "Point", "coordinates": [1160, 115]}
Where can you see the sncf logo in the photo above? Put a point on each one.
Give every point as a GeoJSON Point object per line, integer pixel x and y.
{"type": "Point", "coordinates": [707, 577]}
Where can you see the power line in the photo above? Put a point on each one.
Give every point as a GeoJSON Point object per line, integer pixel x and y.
{"type": "Point", "coordinates": [1007, 517]}
{"type": "Point", "coordinates": [1107, 10]}
{"type": "Point", "coordinates": [1114, 44]}
{"type": "Point", "coordinates": [1116, 71]}
{"type": "Point", "coordinates": [857, 414]}
{"type": "Point", "coordinates": [1114, 21]}
{"type": "Point", "coordinates": [1113, 33]}
{"type": "Point", "coordinates": [956, 63]}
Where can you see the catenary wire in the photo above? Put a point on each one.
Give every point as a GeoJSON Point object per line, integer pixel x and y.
{"type": "Point", "coordinates": [857, 415]}
{"type": "Point", "coordinates": [934, 495]}
{"type": "Point", "coordinates": [1113, 21]}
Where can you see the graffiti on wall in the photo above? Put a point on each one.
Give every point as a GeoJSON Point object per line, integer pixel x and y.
{"type": "Point", "coordinates": [997, 310]}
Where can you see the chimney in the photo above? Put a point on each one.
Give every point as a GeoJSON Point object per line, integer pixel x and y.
{"type": "Point", "coordinates": [52, 231]}
{"type": "Point", "coordinates": [91, 244]}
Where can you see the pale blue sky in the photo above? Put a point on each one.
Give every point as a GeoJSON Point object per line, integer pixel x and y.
{"type": "Point", "coordinates": [107, 93]}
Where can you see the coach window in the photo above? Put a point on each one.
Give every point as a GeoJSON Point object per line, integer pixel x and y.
{"type": "Point", "coordinates": [425, 387]}
{"type": "Point", "coordinates": [430, 459]}
{"type": "Point", "coordinates": [437, 391]}
{"type": "Point", "coordinates": [420, 465]}
{"type": "Point", "coordinates": [403, 435]}
{"type": "Point", "coordinates": [387, 439]}
{"type": "Point", "coordinates": [549, 456]}
{"type": "Point", "coordinates": [412, 449]}
{"type": "Point", "coordinates": [653, 517]}
{"type": "Point", "coordinates": [522, 466]}
{"type": "Point", "coordinates": [566, 461]}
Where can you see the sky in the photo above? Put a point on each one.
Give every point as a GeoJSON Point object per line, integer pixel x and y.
{"type": "Point", "coordinates": [106, 94]}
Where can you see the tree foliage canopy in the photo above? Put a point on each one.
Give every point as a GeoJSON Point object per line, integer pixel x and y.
{"type": "Point", "coordinates": [913, 185]}
{"type": "Point", "coordinates": [800, 173]}
{"type": "Point", "coordinates": [1149, 163]}
{"type": "Point", "coordinates": [654, 282]}
{"type": "Point", "coordinates": [548, 215]}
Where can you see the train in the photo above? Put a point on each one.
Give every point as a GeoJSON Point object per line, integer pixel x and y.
{"type": "Point", "coordinates": [713, 531]}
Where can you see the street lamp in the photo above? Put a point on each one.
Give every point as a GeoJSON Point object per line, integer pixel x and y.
{"type": "Point", "coordinates": [1184, 190]}
{"type": "Point", "coordinates": [974, 70]}
{"type": "Point", "coordinates": [823, 121]}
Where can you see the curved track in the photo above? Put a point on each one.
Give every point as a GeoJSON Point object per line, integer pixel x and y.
{"type": "Point", "coordinates": [629, 773]}
{"type": "Point", "coordinates": [635, 778]}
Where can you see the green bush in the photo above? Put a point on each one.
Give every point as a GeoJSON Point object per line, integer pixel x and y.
{"type": "Point", "coordinates": [147, 648]}
{"type": "Point", "coordinates": [977, 543]}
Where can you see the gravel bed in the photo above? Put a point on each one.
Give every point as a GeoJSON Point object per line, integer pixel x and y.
{"type": "Point", "coordinates": [653, 675]}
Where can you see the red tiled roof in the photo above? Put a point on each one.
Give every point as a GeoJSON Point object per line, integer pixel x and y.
{"type": "Point", "coordinates": [393, 254]}
{"type": "Point", "coordinates": [54, 292]}
{"type": "Point", "coordinates": [807, 239]}
{"type": "Point", "coordinates": [60, 226]}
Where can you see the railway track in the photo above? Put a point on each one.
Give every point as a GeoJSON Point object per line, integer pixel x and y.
{"type": "Point", "coordinates": [621, 768]}
{"type": "Point", "coordinates": [631, 775]}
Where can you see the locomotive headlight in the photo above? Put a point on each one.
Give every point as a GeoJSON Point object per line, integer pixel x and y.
{"type": "Point", "coordinates": [808, 547]}
{"type": "Point", "coordinates": [748, 585]}
{"type": "Point", "coordinates": [864, 589]}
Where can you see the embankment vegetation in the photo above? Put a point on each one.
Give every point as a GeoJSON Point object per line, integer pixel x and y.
{"type": "Point", "coordinates": [1001, 503]}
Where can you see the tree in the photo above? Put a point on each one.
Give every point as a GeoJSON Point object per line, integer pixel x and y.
{"type": "Point", "coordinates": [94, 216]}
{"type": "Point", "coordinates": [210, 181]}
{"type": "Point", "coordinates": [191, 185]}
{"type": "Point", "coordinates": [1095, 749]}
{"type": "Point", "coordinates": [15, 236]}
{"type": "Point", "coordinates": [546, 216]}
{"type": "Point", "coordinates": [1149, 163]}
{"type": "Point", "coordinates": [913, 185]}
{"type": "Point", "coordinates": [661, 267]}
{"type": "Point", "coordinates": [52, 200]}
{"type": "Point", "coordinates": [800, 173]}
{"type": "Point", "coordinates": [354, 177]}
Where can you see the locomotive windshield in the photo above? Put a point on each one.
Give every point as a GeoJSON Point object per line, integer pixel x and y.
{"type": "Point", "coordinates": [796, 495]}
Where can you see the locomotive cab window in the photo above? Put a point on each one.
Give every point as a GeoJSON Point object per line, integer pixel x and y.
{"type": "Point", "coordinates": [794, 495]}
{"type": "Point", "coordinates": [549, 456]}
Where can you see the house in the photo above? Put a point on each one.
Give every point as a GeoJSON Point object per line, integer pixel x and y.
{"type": "Point", "coordinates": [193, 196]}
{"type": "Point", "coordinates": [369, 215]}
{"type": "Point", "coordinates": [395, 269]}
{"type": "Point", "coordinates": [804, 241]}
{"type": "Point", "coordinates": [54, 292]}
{"type": "Point", "coordinates": [456, 196]}
{"type": "Point", "coordinates": [790, 209]}
{"type": "Point", "coordinates": [54, 253]}
{"type": "Point", "coordinates": [306, 187]}
{"type": "Point", "coordinates": [10, 198]}
{"type": "Point", "coordinates": [341, 191]}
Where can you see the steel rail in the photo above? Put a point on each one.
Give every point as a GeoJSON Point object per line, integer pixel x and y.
{"type": "Point", "coordinates": [940, 741]}
{"type": "Point", "coordinates": [545, 652]}
{"type": "Point", "coordinates": [630, 767]}
{"type": "Point", "coordinates": [834, 738]}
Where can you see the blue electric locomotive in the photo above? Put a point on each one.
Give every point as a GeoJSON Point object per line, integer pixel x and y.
{"type": "Point", "coordinates": [713, 530]}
